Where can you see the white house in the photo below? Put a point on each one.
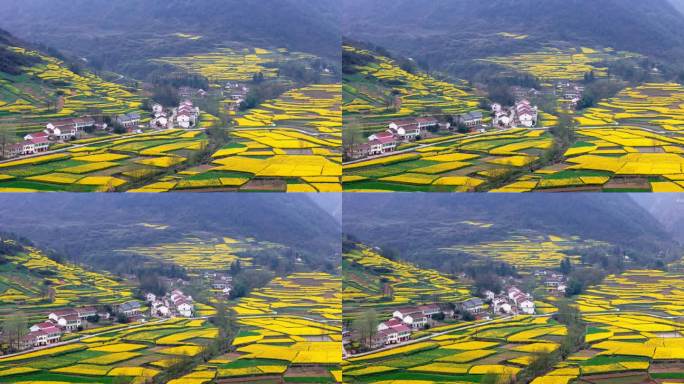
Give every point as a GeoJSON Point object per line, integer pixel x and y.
{"type": "Point", "coordinates": [527, 307]}
{"type": "Point", "coordinates": [415, 320]}
{"type": "Point", "coordinates": [150, 297]}
{"type": "Point", "coordinates": [183, 120]}
{"type": "Point", "coordinates": [184, 309]}
{"type": "Point", "coordinates": [526, 113]}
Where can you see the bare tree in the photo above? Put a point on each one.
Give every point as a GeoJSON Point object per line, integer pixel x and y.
{"type": "Point", "coordinates": [14, 328]}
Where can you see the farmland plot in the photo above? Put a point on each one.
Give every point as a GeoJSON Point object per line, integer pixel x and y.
{"type": "Point", "coordinates": [557, 64]}
{"type": "Point", "coordinates": [363, 288]}
{"type": "Point", "coordinates": [461, 164]}
{"type": "Point", "coordinates": [528, 252]}
{"type": "Point", "coordinates": [111, 165]}
{"type": "Point", "coordinates": [464, 355]}
{"type": "Point", "coordinates": [366, 93]}
{"type": "Point", "coordinates": [290, 328]}
{"type": "Point", "coordinates": [133, 355]}
{"type": "Point", "coordinates": [71, 285]}
{"type": "Point", "coordinates": [631, 142]}
{"type": "Point", "coordinates": [290, 144]}
{"type": "Point", "coordinates": [27, 101]}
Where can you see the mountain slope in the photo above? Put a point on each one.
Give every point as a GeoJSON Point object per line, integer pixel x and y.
{"type": "Point", "coordinates": [114, 32]}
{"type": "Point", "coordinates": [85, 226]}
{"type": "Point", "coordinates": [441, 31]}
{"type": "Point", "coordinates": [418, 225]}
{"type": "Point", "coordinates": [36, 282]}
{"type": "Point", "coordinates": [667, 208]}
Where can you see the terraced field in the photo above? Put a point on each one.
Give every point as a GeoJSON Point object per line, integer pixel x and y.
{"type": "Point", "coordinates": [105, 164]}
{"type": "Point", "coordinates": [289, 330]}
{"type": "Point", "coordinates": [451, 164]}
{"type": "Point", "coordinates": [27, 101]}
{"type": "Point", "coordinates": [632, 142]}
{"type": "Point", "coordinates": [528, 252]}
{"type": "Point", "coordinates": [290, 144]}
{"type": "Point", "coordinates": [628, 339]}
{"type": "Point", "coordinates": [235, 64]}
{"type": "Point", "coordinates": [134, 355]}
{"type": "Point", "coordinates": [198, 254]}
{"type": "Point", "coordinates": [561, 64]}
{"type": "Point", "coordinates": [464, 354]}
{"type": "Point", "coordinates": [365, 94]}
{"type": "Point", "coordinates": [364, 287]}
{"type": "Point", "coordinates": [22, 277]}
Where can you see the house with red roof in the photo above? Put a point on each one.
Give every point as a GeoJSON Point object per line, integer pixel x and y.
{"type": "Point", "coordinates": [382, 142]}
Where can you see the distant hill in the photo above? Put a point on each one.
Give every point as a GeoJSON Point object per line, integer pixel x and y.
{"type": "Point", "coordinates": [417, 225]}
{"type": "Point", "coordinates": [667, 208]}
{"type": "Point", "coordinates": [443, 31]}
{"type": "Point", "coordinates": [679, 4]}
{"type": "Point", "coordinates": [116, 34]}
{"type": "Point", "coordinates": [87, 226]}
{"type": "Point", "coordinates": [33, 281]}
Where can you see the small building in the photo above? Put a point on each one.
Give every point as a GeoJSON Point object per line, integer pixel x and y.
{"type": "Point", "coordinates": [63, 133]}
{"type": "Point", "coordinates": [430, 310]}
{"type": "Point", "coordinates": [526, 307]}
{"type": "Point", "coordinates": [416, 320]}
{"type": "Point", "coordinates": [129, 308]}
{"type": "Point", "coordinates": [526, 114]}
{"type": "Point", "coordinates": [129, 120]}
{"type": "Point", "coordinates": [501, 305]}
{"type": "Point", "coordinates": [470, 119]}
{"type": "Point", "coordinates": [383, 142]}
{"type": "Point", "coordinates": [474, 306]}
{"type": "Point", "coordinates": [86, 312]}
{"type": "Point", "coordinates": [69, 323]}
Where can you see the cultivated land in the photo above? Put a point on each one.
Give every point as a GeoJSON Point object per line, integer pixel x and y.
{"type": "Point", "coordinates": [366, 93]}
{"type": "Point", "coordinates": [24, 274]}
{"type": "Point", "coordinates": [562, 64]}
{"type": "Point", "coordinates": [104, 164]}
{"type": "Point", "coordinates": [289, 330]}
{"type": "Point", "coordinates": [49, 90]}
{"type": "Point", "coordinates": [463, 353]}
{"type": "Point", "coordinates": [528, 251]}
{"type": "Point", "coordinates": [368, 277]}
{"type": "Point", "coordinates": [628, 143]}
{"type": "Point", "coordinates": [289, 144]}
{"type": "Point", "coordinates": [200, 254]}
{"type": "Point", "coordinates": [631, 142]}
{"type": "Point", "coordinates": [632, 329]}
{"type": "Point", "coordinates": [450, 164]}
{"type": "Point", "coordinates": [134, 355]}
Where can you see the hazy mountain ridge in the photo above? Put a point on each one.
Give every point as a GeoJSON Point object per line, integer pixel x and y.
{"type": "Point", "coordinates": [419, 225]}
{"type": "Point", "coordinates": [117, 34]}
{"type": "Point", "coordinates": [441, 31]}
{"type": "Point", "coordinates": [82, 225]}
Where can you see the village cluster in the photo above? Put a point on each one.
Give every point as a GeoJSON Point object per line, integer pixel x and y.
{"type": "Point", "coordinates": [522, 114]}
{"type": "Point", "coordinates": [69, 320]}
{"type": "Point", "coordinates": [185, 116]}
{"type": "Point", "coordinates": [511, 301]}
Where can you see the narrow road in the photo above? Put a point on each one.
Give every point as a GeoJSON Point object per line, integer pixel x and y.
{"type": "Point", "coordinates": [413, 149]}
{"type": "Point", "coordinates": [65, 149]}
{"type": "Point", "coordinates": [160, 321]}
{"type": "Point", "coordinates": [430, 336]}
{"type": "Point", "coordinates": [78, 339]}
{"type": "Point", "coordinates": [425, 338]}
